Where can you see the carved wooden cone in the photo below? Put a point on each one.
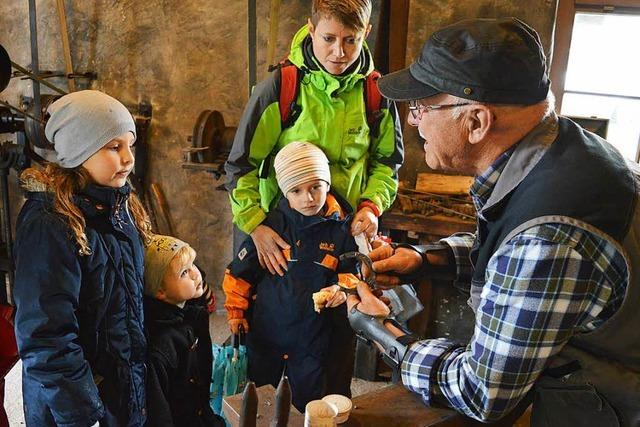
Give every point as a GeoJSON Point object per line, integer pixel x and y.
{"type": "Point", "coordinates": [283, 404]}
{"type": "Point", "coordinates": [249, 411]}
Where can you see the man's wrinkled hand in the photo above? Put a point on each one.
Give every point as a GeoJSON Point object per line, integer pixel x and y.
{"type": "Point", "coordinates": [397, 261]}
{"type": "Point", "coordinates": [269, 246]}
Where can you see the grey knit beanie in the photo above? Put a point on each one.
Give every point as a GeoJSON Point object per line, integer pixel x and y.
{"type": "Point", "coordinates": [82, 122]}
{"type": "Point", "coordinates": [300, 162]}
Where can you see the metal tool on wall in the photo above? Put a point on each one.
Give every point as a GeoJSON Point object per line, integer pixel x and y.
{"type": "Point", "coordinates": [160, 208]}
{"type": "Point", "coordinates": [211, 143]}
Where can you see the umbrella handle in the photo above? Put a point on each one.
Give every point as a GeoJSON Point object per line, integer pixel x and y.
{"type": "Point", "coordinates": [235, 342]}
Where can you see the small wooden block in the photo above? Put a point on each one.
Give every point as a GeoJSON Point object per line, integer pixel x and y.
{"type": "Point", "coordinates": [443, 184]}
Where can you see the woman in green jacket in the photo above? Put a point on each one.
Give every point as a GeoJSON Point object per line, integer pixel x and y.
{"type": "Point", "coordinates": [333, 63]}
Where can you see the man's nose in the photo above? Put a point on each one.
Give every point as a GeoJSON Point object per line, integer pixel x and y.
{"type": "Point", "coordinates": [412, 121]}
{"type": "Point", "coordinates": [338, 50]}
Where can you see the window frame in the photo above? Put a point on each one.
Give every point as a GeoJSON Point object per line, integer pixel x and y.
{"type": "Point", "coordinates": [565, 15]}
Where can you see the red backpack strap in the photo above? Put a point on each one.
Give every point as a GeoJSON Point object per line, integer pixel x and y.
{"type": "Point", "coordinates": [289, 85]}
{"type": "Point", "coordinates": [373, 101]}
{"type": "Point", "coordinates": [289, 109]}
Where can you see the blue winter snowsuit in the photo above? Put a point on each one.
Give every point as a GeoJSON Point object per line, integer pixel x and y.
{"type": "Point", "coordinates": [316, 351]}
{"type": "Point", "coordinates": [79, 319]}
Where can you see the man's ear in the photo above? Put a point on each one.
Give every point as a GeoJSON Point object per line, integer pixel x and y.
{"type": "Point", "coordinates": [160, 295]}
{"type": "Point", "coordinates": [479, 122]}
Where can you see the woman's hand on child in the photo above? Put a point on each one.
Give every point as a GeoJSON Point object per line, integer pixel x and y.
{"type": "Point", "coordinates": [365, 221]}
{"type": "Point", "coordinates": [269, 246]}
{"type": "Point", "coordinates": [338, 297]}
{"type": "Point", "coordinates": [234, 325]}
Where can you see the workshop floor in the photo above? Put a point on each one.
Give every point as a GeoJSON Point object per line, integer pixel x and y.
{"type": "Point", "coordinates": [219, 332]}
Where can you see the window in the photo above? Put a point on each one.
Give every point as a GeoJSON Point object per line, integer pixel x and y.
{"type": "Point", "coordinates": [602, 75]}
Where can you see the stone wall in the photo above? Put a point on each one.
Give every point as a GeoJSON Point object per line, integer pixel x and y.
{"type": "Point", "coordinates": [190, 55]}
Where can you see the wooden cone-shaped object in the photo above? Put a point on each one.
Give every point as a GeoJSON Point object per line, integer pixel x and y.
{"type": "Point", "coordinates": [249, 406]}
{"type": "Point", "coordinates": [283, 403]}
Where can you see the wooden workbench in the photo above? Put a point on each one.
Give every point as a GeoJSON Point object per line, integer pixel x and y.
{"type": "Point", "coordinates": [389, 406]}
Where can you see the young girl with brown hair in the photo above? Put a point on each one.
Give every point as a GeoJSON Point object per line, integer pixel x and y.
{"type": "Point", "coordinates": [79, 272]}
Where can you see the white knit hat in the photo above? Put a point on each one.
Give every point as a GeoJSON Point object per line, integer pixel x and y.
{"type": "Point", "coordinates": [300, 162]}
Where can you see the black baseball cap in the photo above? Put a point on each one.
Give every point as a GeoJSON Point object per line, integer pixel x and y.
{"type": "Point", "coordinates": [498, 61]}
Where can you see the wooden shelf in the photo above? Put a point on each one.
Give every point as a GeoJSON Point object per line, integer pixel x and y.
{"type": "Point", "coordinates": [440, 225]}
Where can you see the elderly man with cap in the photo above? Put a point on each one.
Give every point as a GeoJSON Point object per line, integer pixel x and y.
{"type": "Point", "coordinates": [552, 268]}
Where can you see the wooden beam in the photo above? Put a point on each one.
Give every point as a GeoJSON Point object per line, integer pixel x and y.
{"type": "Point", "coordinates": [561, 44]}
{"type": "Point", "coordinates": [607, 3]}
{"type": "Point", "coordinates": [66, 47]}
{"type": "Point", "coordinates": [399, 28]}
{"type": "Point", "coordinates": [398, 31]}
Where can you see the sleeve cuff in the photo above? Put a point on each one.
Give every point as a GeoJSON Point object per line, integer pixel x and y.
{"type": "Point", "coordinates": [417, 369]}
{"type": "Point", "coordinates": [461, 244]}
{"type": "Point", "coordinates": [369, 204]}
{"type": "Point", "coordinates": [235, 314]}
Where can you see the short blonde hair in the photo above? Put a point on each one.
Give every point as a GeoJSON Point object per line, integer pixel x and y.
{"type": "Point", "coordinates": [183, 255]}
{"type": "Point", "coordinates": [180, 259]}
{"type": "Point", "coordinates": [159, 255]}
{"type": "Point", "coordinates": [354, 14]}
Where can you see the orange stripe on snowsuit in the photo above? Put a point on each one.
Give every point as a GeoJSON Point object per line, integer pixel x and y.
{"type": "Point", "coordinates": [330, 262]}
{"type": "Point", "coordinates": [237, 292]}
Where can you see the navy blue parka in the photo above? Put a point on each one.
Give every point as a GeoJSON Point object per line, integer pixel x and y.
{"type": "Point", "coordinates": [79, 318]}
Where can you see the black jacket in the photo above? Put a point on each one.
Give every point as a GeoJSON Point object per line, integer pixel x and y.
{"type": "Point", "coordinates": [179, 365]}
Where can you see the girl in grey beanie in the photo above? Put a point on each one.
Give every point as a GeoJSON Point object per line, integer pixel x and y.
{"type": "Point", "coordinates": [79, 266]}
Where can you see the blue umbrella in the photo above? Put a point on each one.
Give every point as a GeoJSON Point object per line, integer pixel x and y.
{"type": "Point", "coordinates": [229, 372]}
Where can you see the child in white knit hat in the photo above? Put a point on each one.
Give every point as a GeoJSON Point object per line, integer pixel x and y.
{"type": "Point", "coordinates": [179, 359]}
{"type": "Point", "coordinates": [285, 334]}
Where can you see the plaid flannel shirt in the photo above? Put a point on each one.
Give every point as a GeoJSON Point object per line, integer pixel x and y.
{"type": "Point", "coordinates": [543, 286]}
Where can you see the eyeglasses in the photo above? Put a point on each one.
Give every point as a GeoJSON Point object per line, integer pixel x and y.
{"type": "Point", "coordinates": [417, 110]}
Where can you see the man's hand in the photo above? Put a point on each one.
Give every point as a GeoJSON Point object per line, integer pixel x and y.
{"type": "Point", "coordinates": [269, 246]}
{"type": "Point", "coordinates": [398, 261]}
{"type": "Point", "coordinates": [367, 302]}
{"type": "Point", "coordinates": [234, 325]}
{"type": "Point", "coordinates": [365, 221]}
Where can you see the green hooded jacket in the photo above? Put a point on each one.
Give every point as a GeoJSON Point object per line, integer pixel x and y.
{"type": "Point", "coordinates": [333, 117]}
